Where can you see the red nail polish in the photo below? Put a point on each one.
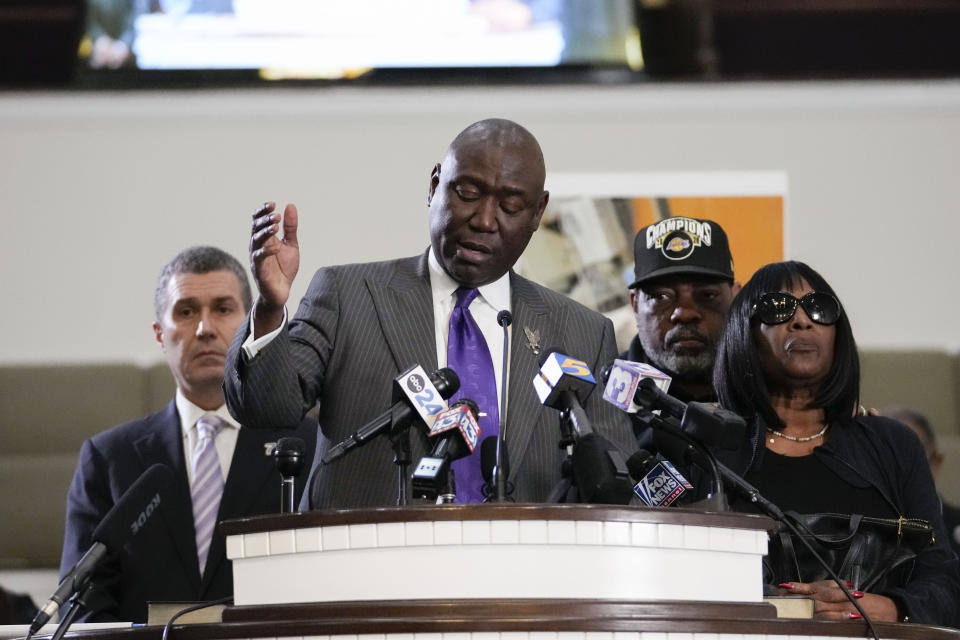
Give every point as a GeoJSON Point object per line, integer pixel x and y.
{"type": "Point", "coordinates": [855, 616]}
{"type": "Point", "coordinates": [785, 585]}
{"type": "Point", "coordinates": [857, 594]}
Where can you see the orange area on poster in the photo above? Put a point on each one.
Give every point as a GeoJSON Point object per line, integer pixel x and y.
{"type": "Point", "coordinates": [754, 224]}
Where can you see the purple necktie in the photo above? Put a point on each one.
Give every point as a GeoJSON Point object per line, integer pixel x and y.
{"type": "Point", "coordinates": [207, 485]}
{"type": "Point", "coordinates": [469, 357]}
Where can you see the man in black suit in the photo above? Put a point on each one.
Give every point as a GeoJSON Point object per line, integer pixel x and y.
{"type": "Point", "coordinates": [201, 298]}
{"type": "Point", "coordinates": [359, 326]}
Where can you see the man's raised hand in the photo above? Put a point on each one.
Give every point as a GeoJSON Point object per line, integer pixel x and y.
{"type": "Point", "coordinates": [274, 262]}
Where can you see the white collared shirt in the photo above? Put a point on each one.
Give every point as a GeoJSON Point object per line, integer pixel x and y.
{"type": "Point", "coordinates": [226, 440]}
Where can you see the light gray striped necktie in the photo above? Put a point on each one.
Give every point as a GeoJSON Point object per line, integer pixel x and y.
{"type": "Point", "coordinates": [207, 485]}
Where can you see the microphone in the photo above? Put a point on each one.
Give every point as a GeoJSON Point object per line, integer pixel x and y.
{"type": "Point", "coordinates": [640, 463]}
{"type": "Point", "coordinates": [455, 433]}
{"type": "Point", "coordinates": [488, 464]}
{"type": "Point", "coordinates": [128, 516]}
{"type": "Point", "coordinates": [659, 484]}
{"type": "Point", "coordinates": [414, 394]}
{"type": "Point", "coordinates": [599, 470]}
{"type": "Point", "coordinates": [698, 422]}
{"type": "Point", "coordinates": [500, 475]}
{"type": "Point", "coordinates": [563, 383]}
{"type": "Point", "coordinates": [621, 379]}
{"type": "Point", "coordinates": [636, 386]}
{"type": "Point", "coordinates": [288, 455]}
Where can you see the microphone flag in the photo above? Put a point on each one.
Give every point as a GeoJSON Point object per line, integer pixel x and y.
{"type": "Point", "coordinates": [625, 377]}
{"type": "Point", "coordinates": [662, 485]}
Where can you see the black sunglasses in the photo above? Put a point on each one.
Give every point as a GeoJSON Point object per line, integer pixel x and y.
{"type": "Point", "coordinates": [777, 308]}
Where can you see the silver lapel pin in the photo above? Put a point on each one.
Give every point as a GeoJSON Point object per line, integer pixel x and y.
{"type": "Point", "coordinates": [533, 340]}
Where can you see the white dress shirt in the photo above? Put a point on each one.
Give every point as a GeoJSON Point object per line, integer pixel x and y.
{"type": "Point", "coordinates": [225, 442]}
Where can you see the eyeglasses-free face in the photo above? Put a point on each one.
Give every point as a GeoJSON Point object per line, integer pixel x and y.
{"type": "Point", "coordinates": [779, 307]}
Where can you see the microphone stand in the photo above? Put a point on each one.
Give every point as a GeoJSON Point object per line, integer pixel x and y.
{"type": "Point", "coordinates": [288, 456]}
{"type": "Point", "coordinates": [400, 440]}
{"type": "Point", "coordinates": [500, 479]}
{"type": "Point", "coordinates": [77, 602]}
{"type": "Point", "coordinates": [562, 491]}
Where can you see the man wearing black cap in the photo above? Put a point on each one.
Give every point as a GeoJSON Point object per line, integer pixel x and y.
{"type": "Point", "coordinates": [683, 286]}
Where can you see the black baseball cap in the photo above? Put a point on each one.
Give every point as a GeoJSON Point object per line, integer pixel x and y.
{"type": "Point", "coordinates": [681, 246]}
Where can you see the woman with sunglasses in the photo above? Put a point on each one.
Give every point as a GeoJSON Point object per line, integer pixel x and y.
{"type": "Point", "coordinates": [787, 362]}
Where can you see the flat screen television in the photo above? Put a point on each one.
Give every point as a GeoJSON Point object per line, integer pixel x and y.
{"type": "Point", "coordinates": [349, 39]}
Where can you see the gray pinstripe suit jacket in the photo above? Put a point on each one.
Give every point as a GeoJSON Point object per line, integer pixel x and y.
{"type": "Point", "coordinates": [359, 326]}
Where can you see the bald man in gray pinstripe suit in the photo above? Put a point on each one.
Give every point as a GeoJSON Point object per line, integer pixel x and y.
{"type": "Point", "coordinates": [359, 326]}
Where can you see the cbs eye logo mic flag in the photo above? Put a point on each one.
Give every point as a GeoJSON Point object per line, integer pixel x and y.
{"type": "Point", "coordinates": [625, 377]}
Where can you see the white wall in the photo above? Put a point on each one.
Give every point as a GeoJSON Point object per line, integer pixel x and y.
{"type": "Point", "coordinates": [100, 189]}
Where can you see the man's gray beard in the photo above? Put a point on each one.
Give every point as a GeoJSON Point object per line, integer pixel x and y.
{"type": "Point", "coordinates": [697, 366]}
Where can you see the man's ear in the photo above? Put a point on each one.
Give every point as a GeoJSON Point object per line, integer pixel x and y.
{"type": "Point", "coordinates": [158, 333]}
{"type": "Point", "coordinates": [633, 300]}
{"type": "Point", "coordinates": [735, 287]}
{"type": "Point", "coordinates": [936, 459]}
{"type": "Point", "coordinates": [541, 207]}
{"type": "Point", "coordinates": [434, 182]}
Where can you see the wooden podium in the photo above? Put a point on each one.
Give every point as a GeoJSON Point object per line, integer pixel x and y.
{"type": "Point", "coordinates": [504, 572]}
{"type": "Point", "coordinates": [587, 552]}
{"type": "Point", "coordinates": [512, 572]}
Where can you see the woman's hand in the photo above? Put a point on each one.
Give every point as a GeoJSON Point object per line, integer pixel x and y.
{"type": "Point", "coordinates": [830, 603]}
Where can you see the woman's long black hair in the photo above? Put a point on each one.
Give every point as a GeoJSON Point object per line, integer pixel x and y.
{"type": "Point", "coordinates": [737, 375]}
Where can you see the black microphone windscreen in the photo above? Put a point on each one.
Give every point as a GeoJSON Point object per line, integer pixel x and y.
{"type": "Point", "coordinates": [640, 463]}
{"type": "Point", "coordinates": [117, 524]}
{"type": "Point", "coordinates": [504, 318]}
{"type": "Point", "coordinates": [672, 447]}
{"type": "Point", "coordinates": [605, 374]}
{"type": "Point", "coordinates": [546, 353]}
{"type": "Point", "coordinates": [469, 403]}
{"type": "Point", "coordinates": [446, 381]}
{"type": "Point", "coordinates": [488, 457]}
{"type": "Point", "coordinates": [289, 446]}
{"type": "Point", "coordinates": [288, 456]}
{"type": "Point", "coordinates": [600, 472]}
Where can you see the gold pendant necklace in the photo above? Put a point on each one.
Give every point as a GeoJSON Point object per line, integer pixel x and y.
{"type": "Point", "coordinates": [819, 434]}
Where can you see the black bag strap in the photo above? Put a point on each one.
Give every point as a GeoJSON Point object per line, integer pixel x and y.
{"type": "Point", "coordinates": [788, 563]}
{"type": "Point", "coordinates": [855, 520]}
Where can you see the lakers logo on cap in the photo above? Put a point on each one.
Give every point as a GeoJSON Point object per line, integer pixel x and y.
{"type": "Point", "coordinates": [677, 238]}
{"type": "Point", "coordinates": [678, 247]}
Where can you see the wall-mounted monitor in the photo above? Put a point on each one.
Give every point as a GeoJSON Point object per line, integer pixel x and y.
{"type": "Point", "coordinates": [343, 39]}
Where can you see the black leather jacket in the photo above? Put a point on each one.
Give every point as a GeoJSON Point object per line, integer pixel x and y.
{"type": "Point", "coordinates": [873, 451]}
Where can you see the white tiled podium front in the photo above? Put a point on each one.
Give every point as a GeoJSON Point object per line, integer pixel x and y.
{"type": "Point", "coordinates": [627, 559]}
